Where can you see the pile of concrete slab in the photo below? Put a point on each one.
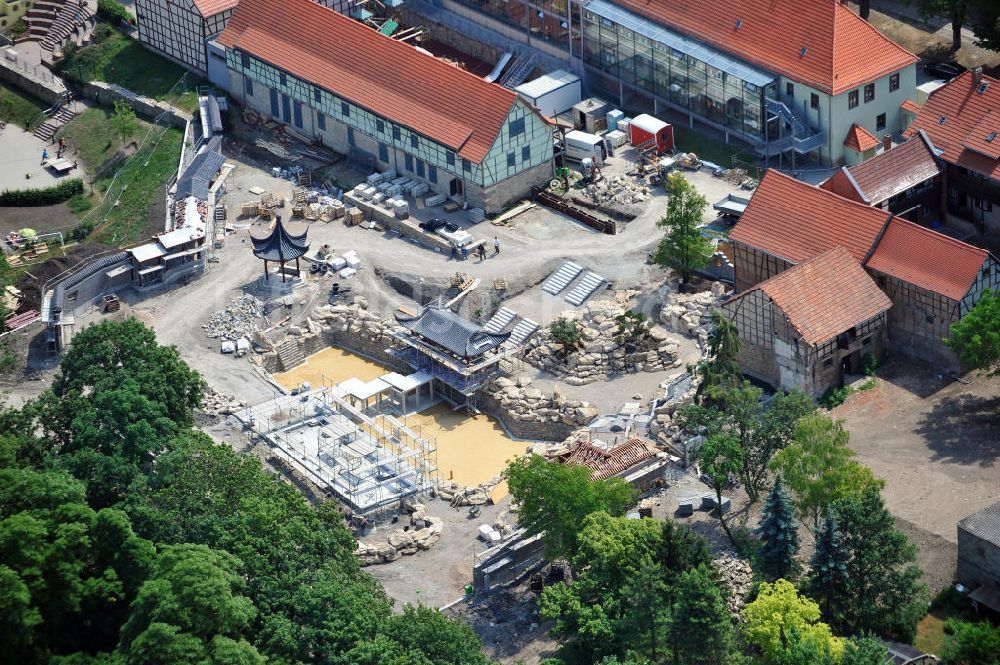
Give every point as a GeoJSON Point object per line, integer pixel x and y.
{"type": "Point", "coordinates": [423, 532]}
{"type": "Point", "coordinates": [241, 318]}
{"type": "Point", "coordinates": [621, 189]}
{"type": "Point", "coordinates": [214, 403]}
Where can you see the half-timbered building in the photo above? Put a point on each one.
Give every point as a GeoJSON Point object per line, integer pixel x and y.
{"type": "Point", "coordinates": [179, 29]}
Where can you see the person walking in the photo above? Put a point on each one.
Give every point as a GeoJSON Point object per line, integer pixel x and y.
{"type": "Point", "coordinates": [481, 250]}
{"type": "Point", "coordinates": [496, 245]}
{"type": "Point", "coordinates": [454, 253]}
{"type": "Point", "coordinates": [465, 252]}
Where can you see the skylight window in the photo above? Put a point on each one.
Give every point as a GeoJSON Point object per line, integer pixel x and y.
{"type": "Point", "coordinates": [802, 53]}
{"type": "Point", "coordinates": [739, 23]}
{"type": "Point", "coordinates": [990, 137]}
{"type": "Point", "coordinates": [983, 86]}
{"type": "Point", "coordinates": [942, 120]}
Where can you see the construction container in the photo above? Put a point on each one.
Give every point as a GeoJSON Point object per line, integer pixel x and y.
{"type": "Point", "coordinates": [616, 139]}
{"type": "Point", "coordinates": [591, 115]}
{"type": "Point", "coordinates": [354, 216]}
{"type": "Point", "coordinates": [552, 93]}
{"type": "Point", "coordinates": [581, 145]}
{"type": "Point", "coordinates": [645, 128]}
{"type": "Point", "coordinates": [401, 209]}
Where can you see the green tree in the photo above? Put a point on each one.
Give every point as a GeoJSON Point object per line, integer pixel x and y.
{"type": "Point", "coordinates": [985, 16]}
{"type": "Point", "coordinates": [761, 429]}
{"type": "Point", "coordinates": [779, 616]}
{"type": "Point", "coordinates": [720, 458]}
{"type": "Point", "coordinates": [975, 338]}
{"type": "Point", "coordinates": [123, 120]}
{"type": "Point", "coordinates": [700, 631]}
{"type": "Point", "coordinates": [555, 499]}
{"type": "Point", "coordinates": [647, 611]}
{"type": "Point", "coordinates": [864, 650]}
{"type": "Point", "coordinates": [567, 333]}
{"type": "Point", "coordinates": [953, 10]}
{"type": "Point", "coordinates": [828, 568]}
{"type": "Point", "coordinates": [778, 535]}
{"type": "Point", "coordinates": [883, 594]}
{"type": "Point", "coordinates": [819, 468]}
{"type": "Point", "coordinates": [684, 248]}
{"type": "Point", "coordinates": [720, 370]}
{"type": "Point", "coordinates": [193, 593]}
{"type": "Point", "coordinates": [632, 328]}
{"type": "Point", "coordinates": [971, 643]}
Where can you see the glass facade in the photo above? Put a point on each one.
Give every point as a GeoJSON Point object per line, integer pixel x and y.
{"type": "Point", "coordinates": [686, 81]}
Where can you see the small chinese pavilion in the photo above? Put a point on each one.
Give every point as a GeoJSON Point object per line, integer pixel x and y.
{"type": "Point", "coordinates": [280, 247]}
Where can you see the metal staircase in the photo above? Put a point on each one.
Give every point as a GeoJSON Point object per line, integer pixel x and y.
{"type": "Point", "coordinates": [524, 329]}
{"type": "Point", "coordinates": [518, 71]}
{"type": "Point", "coordinates": [500, 320]}
{"type": "Point", "coordinates": [591, 282]}
{"type": "Point", "coordinates": [804, 138]}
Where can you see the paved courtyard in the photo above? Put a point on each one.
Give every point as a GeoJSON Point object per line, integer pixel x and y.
{"type": "Point", "coordinates": [21, 156]}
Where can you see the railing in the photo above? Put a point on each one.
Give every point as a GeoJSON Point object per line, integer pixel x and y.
{"type": "Point", "coordinates": [804, 138]}
{"type": "Point", "coordinates": [37, 72]}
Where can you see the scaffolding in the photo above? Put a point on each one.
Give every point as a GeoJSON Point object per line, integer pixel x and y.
{"type": "Point", "coordinates": [372, 463]}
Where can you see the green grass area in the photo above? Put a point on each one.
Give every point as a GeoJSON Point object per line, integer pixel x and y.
{"type": "Point", "coordinates": [690, 140]}
{"type": "Point", "coordinates": [115, 58]}
{"type": "Point", "coordinates": [92, 135]}
{"type": "Point", "coordinates": [18, 108]}
{"type": "Point", "coordinates": [947, 604]}
{"type": "Point", "coordinates": [81, 203]}
{"type": "Point", "coordinates": [144, 175]}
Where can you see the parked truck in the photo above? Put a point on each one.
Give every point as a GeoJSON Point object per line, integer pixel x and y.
{"type": "Point", "coordinates": [581, 145]}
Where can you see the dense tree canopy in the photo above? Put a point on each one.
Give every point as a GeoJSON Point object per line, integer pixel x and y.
{"type": "Point", "coordinates": [683, 247]}
{"type": "Point", "coordinates": [975, 339]}
{"type": "Point", "coordinates": [555, 498]}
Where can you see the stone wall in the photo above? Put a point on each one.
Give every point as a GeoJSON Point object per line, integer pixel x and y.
{"type": "Point", "coordinates": [528, 413]}
{"type": "Point", "coordinates": [690, 314]}
{"type": "Point", "coordinates": [600, 355]}
{"type": "Point", "coordinates": [106, 94]}
{"type": "Point", "coordinates": [34, 80]}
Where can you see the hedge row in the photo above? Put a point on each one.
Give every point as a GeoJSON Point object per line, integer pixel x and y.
{"type": "Point", "coordinates": [113, 11]}
{"type": "Point", "coordinates": [42, 197]}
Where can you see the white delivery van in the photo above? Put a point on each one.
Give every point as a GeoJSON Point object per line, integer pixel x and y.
{"type": "Point", "coordinates": [581, 145]}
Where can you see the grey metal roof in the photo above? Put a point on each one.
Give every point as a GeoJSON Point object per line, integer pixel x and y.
{"type": "Point", "coordinates": [686, 45]}
{"type": "Point", "coordinates": [95, 266]}
{"type": "Point", "coordinates": [984, 524]}
{"type": "Point", "coordinates": [197, 178]}
{"type": "Point", "coordinates": [450, 331]}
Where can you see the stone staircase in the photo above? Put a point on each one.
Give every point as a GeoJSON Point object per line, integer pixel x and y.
{"type": "Point", "coordinates": [52, 22]}
{"type": "Point", "coordinates": [561, 278]}
{"type": "Point", "coordinates": [591, 282]}
{"type": "Point", "coordinates": [59, 117]}
{"type": "Point", "coordinates": [499, 321]}
{"type": "Point", "coordinates": [290, 353]}
{"type": "Point", "coordinates": [524, 329]}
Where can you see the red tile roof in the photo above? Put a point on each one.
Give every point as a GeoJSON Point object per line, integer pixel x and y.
{"type": "Point", "coordinates": [860, 139]}
{"type": "Point", "coordinates": [885, 175]}
{"type": "Point", "coordinates": [794, 220]}
{"type": "Point", "coordinates": [910, 106]}
{"type": "Point", "coordinates": [212, 7]}
{"type": "Point", "coordinates": [958, 119]}
{"type": "Point", "coordinates": [388, 77]}
{"type": "Point", "coordinates": [928, 259]}
{"type": "Point", "coordinates": [843, 51]}
{"type": "Point", "coordinates": [826, 295]}
{"type": "Point", "coordinates": [607, 463]}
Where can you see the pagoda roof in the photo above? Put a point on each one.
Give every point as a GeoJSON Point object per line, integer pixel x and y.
{"type": "Point", "coordinates": [448, 330]}
{"type": "Point", "coordinates": [280, 245]}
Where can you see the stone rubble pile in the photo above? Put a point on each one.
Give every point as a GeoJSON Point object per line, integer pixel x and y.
{"type": "Point", "coordinates": [662, 427]}
{"type": "Point", "coordinates": [214, 403]}
{"type": "Point", "coordinates": [239, 319]}
{"type": "Point", "coordinates": [737, 575]}
{"type": "Point", "coordinates": [620, 189]}
{"type": "Point", "coordinates": [525, 403]}
{"type": "Point", "coordinates": [600, 355]}
{"type": "Point", "coordinates": [356, 320]}
{"type": "Point", "coordinates": [690, 314]}
{"type": "Point", "coordinates": [422, 533]}
{"type": "Point", "coordinates": [459, 495]}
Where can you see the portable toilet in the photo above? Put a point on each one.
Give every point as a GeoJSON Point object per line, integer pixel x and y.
{"type": "Point", "coordinates": [644, 127]}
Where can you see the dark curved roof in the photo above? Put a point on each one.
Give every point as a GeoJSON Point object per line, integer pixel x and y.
{"type": "Point", "coordinates": [448, 330]}
{"type": "Point", "coordinates": [280, 245]}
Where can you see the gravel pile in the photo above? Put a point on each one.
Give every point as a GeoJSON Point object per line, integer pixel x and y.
{"type": "Point", "coordinates": [620, 189]}
{"type": "Point", "coordinates": [240, 319]}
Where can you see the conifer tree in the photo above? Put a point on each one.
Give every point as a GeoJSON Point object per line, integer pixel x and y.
{"type": "Point", "coordinates": [700, 629]}
{"type": "Point", "coordinates": [828, 568]}
{"type": "Point", "coordinates": [778, 535]}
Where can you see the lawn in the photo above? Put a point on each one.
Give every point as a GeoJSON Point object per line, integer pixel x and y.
{"type": "Point", "coordinates": [931, 629]}
{"type": "Point", "coordinates": [690, 140]}
{"type": "Point", "coordinates": [115, 58]}
{"type": "Point", "coordinates": [95, 140]}
{"type": "Point", "coordinates": [144, 176]}
{"type": "Point", "coordinates": [18, 108]}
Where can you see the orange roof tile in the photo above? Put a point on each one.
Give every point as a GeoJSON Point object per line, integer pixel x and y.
{"type": "Point", "coordinates": [212, 7]}
{"type": "Point", "coordinates": [606, 463]}
{"type": "Point", "coordinates": [860, 139]}
{"type": "Point", "coordinates": [826, 295]}
{"type": "Point", "coordinates": [928, 259]}
{"type": "Point", "coordinates": [843, 51]}
{"type": "Point", "coordinates": [885, 175]}
{"type": "Point", "coordinates": [388, 77]}
{"type": "Point", "coordinates": [956, 117]}
{"type": "Point", "coordinates": [910, 106]}
{"type": "Point", "coordinates": [794, 220]}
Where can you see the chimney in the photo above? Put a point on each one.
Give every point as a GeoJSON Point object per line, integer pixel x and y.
{"type": "Point", "coordinates": [977, 76]}
{"type": "Point", "coordinates": [887, 143]}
